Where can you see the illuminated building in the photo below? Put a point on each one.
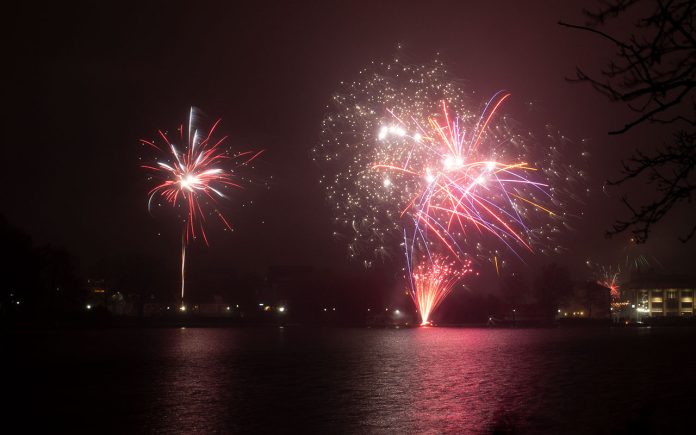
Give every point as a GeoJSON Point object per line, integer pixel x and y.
{"type": "Point", "coordinates": [656, 295]}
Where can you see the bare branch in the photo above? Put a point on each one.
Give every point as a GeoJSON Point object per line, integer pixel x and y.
{"type": "Point", "coordinates": [654, 75]}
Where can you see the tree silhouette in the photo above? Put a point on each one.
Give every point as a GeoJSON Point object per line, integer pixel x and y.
{"type": "Point", "coordinates": [514, 288]}
{"type": "Point", "coordinates": [552, 286]}
{"type": "Point", "coordinates": [35, 280]}
{"type": "Point", "coordinates": [595, 295]}
{"type": "Point", "coordinates": [654, 75]}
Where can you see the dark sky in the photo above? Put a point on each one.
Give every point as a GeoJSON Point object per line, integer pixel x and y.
{"type": "Point", "coordinates": [86, 82]}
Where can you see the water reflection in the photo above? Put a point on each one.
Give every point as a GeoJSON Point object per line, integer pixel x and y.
{"type": "Point", "coordinates": [195, 381]}
{"type": "Point", "coordinates": [448, 380]}
{"type": "Point", "coordinates": [426, 380]}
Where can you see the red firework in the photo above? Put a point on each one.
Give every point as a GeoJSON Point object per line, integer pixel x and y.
{"type": "Point", "coordinates": [195, 175]}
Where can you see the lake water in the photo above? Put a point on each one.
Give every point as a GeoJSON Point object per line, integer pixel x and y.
{"type": "Point", "coordinates": [334, 380]}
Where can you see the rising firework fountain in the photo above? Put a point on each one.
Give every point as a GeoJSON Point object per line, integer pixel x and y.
{"type": "Point", "coordinates": [193, 171]}
{"type": "Point", "coordinates": [432, 280]}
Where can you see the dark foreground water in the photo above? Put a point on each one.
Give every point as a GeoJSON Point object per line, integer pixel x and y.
{"type": "Point", "coordinates": [304, 380]}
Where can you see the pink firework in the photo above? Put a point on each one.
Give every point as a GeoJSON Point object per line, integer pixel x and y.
{"type": "Point", "coordinates": [469, 183]}
{"type": "Point", "coordinates": [194, 175]}
{"type": "Point", "coordinates": [432, 280]}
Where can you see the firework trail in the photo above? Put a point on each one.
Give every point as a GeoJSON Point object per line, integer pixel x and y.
{"type": "Point", "coordinates": [638, 259]}
{"type": "Point", "coordinates": [463, 191]}
{"type": "Point", "coordinates": [193, 170]}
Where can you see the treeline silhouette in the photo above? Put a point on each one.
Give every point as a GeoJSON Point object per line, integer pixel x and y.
{"type": "Point", "coordinates": [37, 282]}
{"type": "Point", "coordinates": [43, 285]}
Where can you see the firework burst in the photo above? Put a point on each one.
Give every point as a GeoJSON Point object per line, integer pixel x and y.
{"type": "Point", "coordinates": [463, 191]}
{"type": "Point", "coordinates": [192, 171]}
{"type": "Point", "coordinates": [610, 279]}
{"type": "Point", "coordinates": [404, 148]}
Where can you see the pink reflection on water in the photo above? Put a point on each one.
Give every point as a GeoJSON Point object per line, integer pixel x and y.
{"type": "Point", "coordinates": [451, 380]}
{"type": "Point", "coordinates": [197, 381]}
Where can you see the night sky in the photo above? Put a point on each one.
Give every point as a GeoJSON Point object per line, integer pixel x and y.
{"type": "Point", "coordinates": [87, 82]}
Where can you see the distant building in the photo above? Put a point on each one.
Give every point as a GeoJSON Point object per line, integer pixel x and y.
{"type": "Point", "coordinates": [656, 295]}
